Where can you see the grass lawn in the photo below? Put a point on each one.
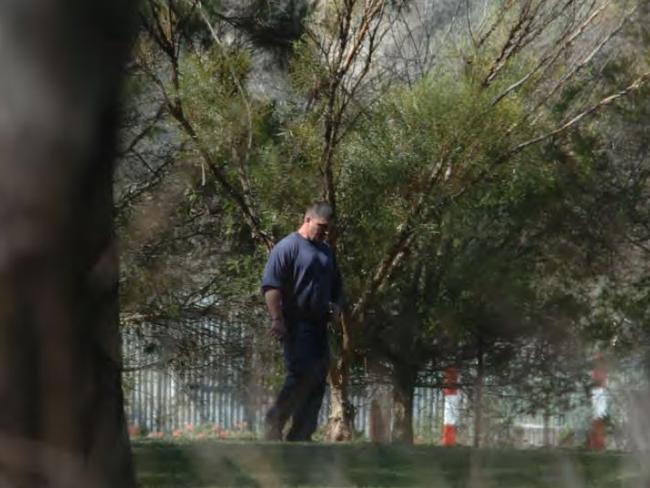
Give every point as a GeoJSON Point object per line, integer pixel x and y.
{"type": "Point", "coordinates": [256, 464]}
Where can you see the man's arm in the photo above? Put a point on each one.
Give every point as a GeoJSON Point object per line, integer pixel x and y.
{"type": "Point", "coordinates": [273, 298]}
{"type": "Point", "coordinates": [274, 277]}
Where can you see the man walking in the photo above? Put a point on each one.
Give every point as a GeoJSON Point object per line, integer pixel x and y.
{"type": "Point", "coordinates": [302, 289]}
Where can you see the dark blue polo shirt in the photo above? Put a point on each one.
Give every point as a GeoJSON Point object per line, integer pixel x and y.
{"type": "Point", "coordinates": [306, 274]}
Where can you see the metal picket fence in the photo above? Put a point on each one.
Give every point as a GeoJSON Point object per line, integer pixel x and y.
{"type": "Point", "coordinates": [164, 394]}
{"type": "Point", "coordinates": [209, 372]}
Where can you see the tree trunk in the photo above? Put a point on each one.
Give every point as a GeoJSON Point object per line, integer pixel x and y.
{"type": "Point", "coordinates": [62, 421]}
{"type": "Point", "coordinates": [341, 420]}
{"type": "Point", "coordinates": [478, 395]}
{"type": "Point", "coordinates": [380, 414]}
{"type": "Point", "coordinates": [547, 429]}
{"type": "Point", "coordinates": [380, 403]}
{"type": "Point", "coordinates": [403, 391]}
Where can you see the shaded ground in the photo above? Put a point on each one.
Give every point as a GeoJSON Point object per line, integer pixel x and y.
{"type": "Point", "coordinates": [213, 463]}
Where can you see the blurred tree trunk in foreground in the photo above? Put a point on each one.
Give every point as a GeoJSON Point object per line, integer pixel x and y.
{"type": "Point", "coordinates": [61, 407]}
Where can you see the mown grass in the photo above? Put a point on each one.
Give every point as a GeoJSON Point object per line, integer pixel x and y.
{"type": "Point", "coordinates": [249, 464]}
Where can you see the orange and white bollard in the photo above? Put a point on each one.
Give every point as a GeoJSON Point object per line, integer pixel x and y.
{"type": "Point", "coordinates": [598, 436]}
{"type": "Point", "coordinates": [452, 407]}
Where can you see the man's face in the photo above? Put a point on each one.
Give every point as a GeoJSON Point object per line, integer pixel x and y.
{"type": "Point", "coordinates": [316, 228]}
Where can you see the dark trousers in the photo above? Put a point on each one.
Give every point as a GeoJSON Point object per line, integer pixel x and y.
{"type": "Point", "coordinates": [306, 355]}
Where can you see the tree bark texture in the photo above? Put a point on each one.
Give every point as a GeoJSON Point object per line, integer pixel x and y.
{"type": "Point", "coordinates": [340, 425]}
{"type": "Point", "coordinates": [61, 415]}
{"type": "Point", "coordinates": [380, 414]}
{"type": "Point", "coordinates": [403, 391]}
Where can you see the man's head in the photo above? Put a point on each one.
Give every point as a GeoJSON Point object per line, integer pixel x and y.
{"type": "Point", "coordinates": [316, 222]}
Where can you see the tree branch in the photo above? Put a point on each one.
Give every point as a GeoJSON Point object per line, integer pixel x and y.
{"type": "Point", "coordinates": [143, 133]}
{"type": "Point", "coordinates": [551, 57]}
{"type": "Point", "coordinates": [635, 85]}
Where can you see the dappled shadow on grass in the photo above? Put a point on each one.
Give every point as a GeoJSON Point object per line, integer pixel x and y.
{"type": "Point", "coordinates": [201, 464]}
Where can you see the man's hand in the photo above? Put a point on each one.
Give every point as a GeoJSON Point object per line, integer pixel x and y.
{"type": "Point", "coordinates": [335, 312]}
{"type": "Point", "coordinates": [278, 329]}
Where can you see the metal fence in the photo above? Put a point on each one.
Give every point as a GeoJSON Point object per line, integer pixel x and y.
{"type": "Point", "coordinates": [230, 383]}
{"type": "Point", "coordinates": [162, 394]}
{"type": "Point", "coordinates": [161, 400]}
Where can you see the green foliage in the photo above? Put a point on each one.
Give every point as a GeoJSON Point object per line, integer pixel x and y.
{"type": "Point", "coordinates": [306, 71]}
{"type": "Point", "coordinates": [211, 93]}
{"type": "Point", "coordinates": [442, 126]}
{"type": "Point", "coordinates": [499, 247]}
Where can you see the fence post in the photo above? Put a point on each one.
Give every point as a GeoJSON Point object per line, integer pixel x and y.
{"type": "Point", "coordinates": [452, 407]}
{"type": "Point", "coordinates": [598, 435]}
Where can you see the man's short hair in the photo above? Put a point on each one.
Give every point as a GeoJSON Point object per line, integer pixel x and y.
{"type": "Point", "coordinates": [320, 209]}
